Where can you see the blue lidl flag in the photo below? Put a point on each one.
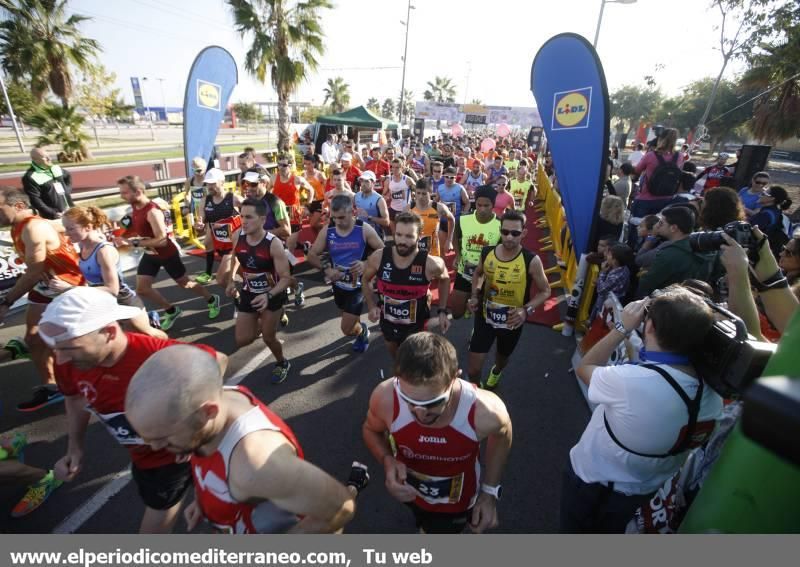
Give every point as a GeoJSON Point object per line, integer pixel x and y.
{"type": "Point", "coordinates": [570, 89]}
{"type": "Point", "coordinates": [211, 81]}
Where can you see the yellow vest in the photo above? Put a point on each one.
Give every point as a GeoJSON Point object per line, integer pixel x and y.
{"type": "Point", "coordinates": [474, 237]}
{"type": "Point", "coordinates": [506, 284]}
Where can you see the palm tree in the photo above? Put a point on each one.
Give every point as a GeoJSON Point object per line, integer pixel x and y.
{"type": "Point", "coordinates": [408, 105]}
{"type": "Point", "coordinates": [337, 92]}
{"type": "Point", "coordinates": [387, 110]}
{"type": "Point", "coordinates": [64, 126]}
{"type": "Point", "coordinates": [286, 41]}
{"type": "Point", "coordinates": [440, 90]}
{"type": "Point", "coordinates": [39, 42]}
{"type": "Point", "coordinates": [373, 105]}
{"type": "Point", "coordinates": [776, 114]}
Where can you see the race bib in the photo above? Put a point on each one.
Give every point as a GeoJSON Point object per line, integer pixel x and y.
{"type": "Point", "coordinates": [399, 311]}
{"type": "Point", "coordinates": [469, 270]}
{"type": "Point", "coordinates": [437, 489]}
{"type": "Point", "coordinates": [399, 195]}
{"type": "Point", "coordinates": [451, 205]}
{"type": "Point", "coordinates": [425, 244]}
{"type": "Point", "coordinates": [258, 283]}
{"type": "Point", "coordinates": [119, 427]}
{"type": "Point", "coordinates": [349, 280]}
{"type": "Point", "coordinates": [222, 232]}
{"type": "Point", "coordinates": [497, 315]}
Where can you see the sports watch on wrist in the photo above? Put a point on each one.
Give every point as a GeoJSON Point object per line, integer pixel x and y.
{"type": "Point", "coordinates": [495, 491]}
{"type": "Point", "coordinates": [529, 309]}
{"type": "Point", "coordinates": [621, 328]}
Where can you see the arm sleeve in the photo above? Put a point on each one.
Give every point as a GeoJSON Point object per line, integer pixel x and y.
{"type": "Point", "coordinates": [607, 385]}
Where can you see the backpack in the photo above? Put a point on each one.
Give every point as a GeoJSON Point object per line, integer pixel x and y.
{"type": "Point", "coordinates": [776, 233]}
{"type": "Point", "coordinates": [666, 178]}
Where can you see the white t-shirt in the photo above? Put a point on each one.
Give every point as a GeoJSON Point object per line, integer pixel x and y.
{"type": "Point", "coordinates": [646, 414]}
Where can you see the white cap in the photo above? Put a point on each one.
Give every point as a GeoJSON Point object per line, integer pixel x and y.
{"type": "Point", "coordinates": [346, 157]}
{"type": "Point", "coordinates": [367, 175]}
{"type": "Point", "coordinates": [214, 175]}
{"type": "Point", "coordinates": [83, 310]}
{"type": "Point", "coordinates": [251, 177]}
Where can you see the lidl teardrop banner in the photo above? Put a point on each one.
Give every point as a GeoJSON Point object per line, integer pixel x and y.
{"type": "Point", "coordinates": [570, 89]}
{"type": "Point", "coordinates": [208, 89]}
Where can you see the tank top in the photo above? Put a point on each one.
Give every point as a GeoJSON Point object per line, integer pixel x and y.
{"type": "Point", "coordinates": [370, 204]}
{"type": "Point", "coordinates": [442, 462]}
{"type": "Point", "coordinates": [287, 192]}
{"type": "Point", "coordinates": [217, 211]}
{"type": "Point", "coordinates": [417, 164]}
{"type": "Point", "coordinates": [90, 268]}
{"type": "Point", "coordinates": [344, 251]}
{"type": "Point", "coordinates": [451, 198]}
{"type": "Point", "coordinates": [319, 188]}
{"type": "Point", "coordinates": [473, 183]}
{"type": "Point", "coordinates": [506, 285]}
{"type": "Point", "coordinates": [223, 230]}
{"type": "Point", "coordinates": [198, 198]}
{"type": "Point", "coordinates": [210, 474]}
{"type": "Point", "coordinates": [256, 264]}
{"type": "Point", "coordinates": [140, 226]}
{"type": "Point", "coordinates": [61, 262]}
{"type": "Point", "coordinates": [519, 190]}
{"type": "Point", "coordinates": [404, 290]}
{"type": "Point", "coordinates": [436, 184]}
{"type": "Point", "coordinates": [428, 239]}
{"type": "Point", "coordinates": [475, 236]}
{"type": "Point", "coordinates": [400, 193]}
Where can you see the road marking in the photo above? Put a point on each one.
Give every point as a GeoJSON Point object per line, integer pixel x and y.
{"type": "Point", "coordinates": [99, 499]}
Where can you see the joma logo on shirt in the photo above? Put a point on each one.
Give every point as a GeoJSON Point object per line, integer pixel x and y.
{"type": "Point", "coordinates": [430, 439]}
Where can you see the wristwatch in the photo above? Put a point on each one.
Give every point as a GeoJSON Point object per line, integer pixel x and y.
{"type": "Point", "coordinates": [621, 328]}
{"type": "Point", "coordinates": [529, 309]}
{"type": "Point", "coordinates": [495, 491]}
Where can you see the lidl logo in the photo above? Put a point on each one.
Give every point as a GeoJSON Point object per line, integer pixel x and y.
{"type": "Point", "coordinates": [571, 109]}
{"type": "Point", "coordinates": [208, 95]}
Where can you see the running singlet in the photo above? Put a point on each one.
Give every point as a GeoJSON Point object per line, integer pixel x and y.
{"type": "Point", "coordinates": [443, 462]}
{"type": "Point", "coordinates": [90, 268]}
{"type": "Point", "coordinates": [404, 290]}
{"type": "Point", "coordinates": [451, 198]}
{"type": "Point", "coordinates": [198, 197]}
{"type": "Point", "coordinates": [369, 203]}
{"type": "Point", "coordinates": [140, 226]}
{"type": "Point", "coordinates": [287, 192]}
{"type": "Point", "coordinates": [519, 190]}
{"type": "Point", "coordinates": [256, 264]}
{"type": "Point", "coordinates": [507, 285]}
{"type": "Point", "coordinates": [417, 165]}
{"type": "Point", "coordinates": [473, 183]}
{"type": "Point", "coordinates": [210, 473]}
{"type": "Point", "coordinates": [400, 193]}
{"type": "Point", "coordinates": [319, 188]}
{"type": "Point", "coordinates": [474, 237]}
{"type": "Point", "coordinates": [344, 251]}
{"type": "Point", "coordinates": [215, 212]}
{"type": "Point", "coordinates": [435, 184]}
{"type": "Point", "coordinates": [224, 220]}
{"type": "Point", "coordinates": [428, 239]}
{"type": "Point", "coordinates": [61, 262]}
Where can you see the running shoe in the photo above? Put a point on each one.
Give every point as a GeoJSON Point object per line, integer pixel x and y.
{"type": "Point", "coordinates": [213, 307]}
{"type": "Point", "coordinates": [306, 247]}
{"type": "Point", "coordinates": [284, 320]}
{"type": "Point", "coordinates": [359, 477]}
{"type": "Point", "coordinates": [493, 380]}
{"type": "Point", "coordinates": [362, 340]}
{"type": "Point", "coordinates": [280, 372]}
{"type": "Point", "coordinates": [12, 447]}
{"type": "Point", "coordinates": [42, 396]}
{"type": "Point", "coordinates": [36, 495]}
{"type": "Point", "coordinates": [203, 278]}
{"type": "Point", "coordinates": [168, 319]}
{"type": "Point", "coordinates": [155, 319]}
{"type": "Point", "coordinates": [17, 348]}
{"type": "Point", "coordinates": [299, 296]}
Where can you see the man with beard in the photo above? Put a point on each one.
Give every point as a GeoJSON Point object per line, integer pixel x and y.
{"type": "Point", "coordinates": [249, 472]}
{"type": "Point", "coordinates": [438, 422]}
{"type": "Point", "coordinates": [507, 270]}
{"type": "Point", "coordinates": [404, 274]}
{"type": "Point", "coordinates": [95, 361]}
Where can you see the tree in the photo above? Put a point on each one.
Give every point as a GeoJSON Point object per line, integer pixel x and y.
{"type": "Point", "coordinates": [631, 104]}
{"type": "Point", "coordinates": [22, 101]}
{"type": "Point", "coordinates": [476, 101]}
{"type": "Point", "coordinates": [39, 43]}
{"type": "Point", "coordinates": [248, 112]}
{"type": "Point", "coordinates": [94, 92]}
{"type": "Point", "coordinates": [64, 126]}
{"type": "Point", "coordinates": [310, 114]}
{"type": "Point", "coordinates": [120, 111]}
{"type": "Point", "coordinates": [441, 89]}
{"type": "Point", "coordinates": [409, 106]}
{"type": "Point", "coordinates": [387, 110]}
{"type": "Point", "coordinates": [285, 42]}
{"type": "Point", "coordinates": [373, 105]}
{"type": "Point", "coordinates": [337, 92]}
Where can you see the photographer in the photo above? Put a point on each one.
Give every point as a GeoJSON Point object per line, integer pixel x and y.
{"type": "Point", "coordinates": [639, 433]}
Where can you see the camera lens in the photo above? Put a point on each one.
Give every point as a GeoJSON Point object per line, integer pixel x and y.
{"type": "Point", "coordinates": [706, 241]}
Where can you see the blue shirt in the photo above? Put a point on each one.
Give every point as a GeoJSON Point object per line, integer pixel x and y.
{"type": "Point", "coordinates": [345, 251]}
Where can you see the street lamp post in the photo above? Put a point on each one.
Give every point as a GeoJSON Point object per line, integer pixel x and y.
{"type": "Point", "coordinates": [407, 23]}
{"type": "Point", "coordinates": [11, 114]}
{"type": "Point", "coordinates": [147, 110]}
{"type": "Point", "coordinates": [600, 17]}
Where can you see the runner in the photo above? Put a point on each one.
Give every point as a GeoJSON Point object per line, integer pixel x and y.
{"type": "Point", "coordinates": [471, 234]}
{"type": "Point", "coordinates": [397, 191]}
{"type": "Point", "coordinates": [338, 186]}
{"type": "Point", "coordinates": [40, 483]}
{"type": "Point", "coordinates": [419, 162]}
{"type": "Point", "coordinates": [433, 215]}
{"type": "Point", "coordinates": [378, 165]}
{"type": "Point", "coordinates": [46, 253]}
{"type": "Point", "coordinates": [521, 186]}
{"type": "Point", "coordinates": [195, 190]}
{"type": "Point", "coordinates": [96, 361]}
{"type": "Point", "coordinates": [456, 199]}
{"type": "Point", "coordinates": [262, 261]}
{"type": "Point", "coordinates": [255, 182]}
{"type": "Point", "coordinates": [504, 305]}
{"type": "Point", "coordinates": [370, 206]}
{"type": "Point", "coordinates": [250, 475]}
{"type": "Point", "coordinates": [496, 170]}
{"type": "Point", "coordinates": [437, 177]}
{"type": "Point", "coordinates": [149, 230]}
{"type": "Point", "coordinates": [504, 200]}
{"type": "Point", "coordinates": [404, 275]}
{"type": "Point", "coordinates": [437, 422]}
{"type": "Point", "coordinates": [474, 179]}
{"type": "Point", "coordinates": [100, 265]}
{"type": "Point", "coordinates": [218, 219]}
{"type": "Point", "coordinates": [314, 178]}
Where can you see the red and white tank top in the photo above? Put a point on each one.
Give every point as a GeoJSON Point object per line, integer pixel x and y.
{"type": "Point", "coordinates": [210, 474]}
{"type": "Point", "coordinates": [443, 463]}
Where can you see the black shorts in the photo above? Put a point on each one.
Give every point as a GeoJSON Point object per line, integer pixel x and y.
{"type": "Point", "coordinates": [443, 225]}
{"type": "Point", "coordinates": [440, 522]}
{"type": "Point", "coordinates": [349, 300]}
{"type": "Point", "coordinates": [483, 335]}
{"type": "Point", "coordinates": [462, 284]}
{"type": "Point", "coordinates": [393, 213]}
{"type": "Point", "coordinates": [162, 487]}
{"type": "Point", "coordinates": [395, 333]}
{"type": "Point", "coordinates": [150, 264]}
{"type": "Point", "coordinates": [245, 300]}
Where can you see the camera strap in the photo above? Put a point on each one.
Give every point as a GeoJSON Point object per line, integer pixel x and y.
{"type": "Point", "coordinates": [692, 406]}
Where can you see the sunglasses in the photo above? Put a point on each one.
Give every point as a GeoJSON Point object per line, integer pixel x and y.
{"type": "Point", "coordinates": [427, 404]}
{"type": "Point", "coordinates": [449, 176]}
{"type": "Point", "coordinates": [760, 182]}
{"type": "Point", "coordinates": [198, 170]}
{"type": "Point", "coordinates": [283, 165]}
{"type": "Point", "coordinates": [507, 232]}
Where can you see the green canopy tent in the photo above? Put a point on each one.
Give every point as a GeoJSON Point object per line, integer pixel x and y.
{"type": "Point", "coordinates": [358, 117]}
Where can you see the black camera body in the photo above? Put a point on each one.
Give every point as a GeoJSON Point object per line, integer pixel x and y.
{"type": "Point", "coordinates": [740, 231]}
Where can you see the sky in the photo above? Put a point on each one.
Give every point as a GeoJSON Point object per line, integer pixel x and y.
{"type": "Point", "coordinates": [486, 48]}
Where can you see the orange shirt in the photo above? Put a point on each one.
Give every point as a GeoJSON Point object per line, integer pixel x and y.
{"type": "Point", "coordinates": [61, 262]}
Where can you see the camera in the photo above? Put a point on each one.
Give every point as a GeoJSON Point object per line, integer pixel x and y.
{"type": "Point", "coordinates": [740, 231]}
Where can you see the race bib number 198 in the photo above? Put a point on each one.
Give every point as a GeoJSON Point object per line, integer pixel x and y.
{"type": "Point", "coordinates": [497, 315]}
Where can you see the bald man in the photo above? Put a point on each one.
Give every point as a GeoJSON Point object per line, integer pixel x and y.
{"type": "Point", "coordinates": [249, 472]}
{"type": "Point", "coordinates": [48, 186]}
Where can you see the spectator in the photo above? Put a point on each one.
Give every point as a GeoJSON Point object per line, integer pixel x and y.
{"type": "Point", "coordinates": [604, 243]}
{"type": "Point", "coordinates": [48, 186]}
{"type": "Point", "coordinates": [715, 173]}
{"type": "Point", "coordinates": [789, 260]}
{"type": "Point", "coordinates": [330, 154]}
{"type": "Point", "coordinates": [651, 242]}
{"type": "Point", "coordinates": [615, 276]}
{"type": "Point", "coordinates": [721, 205]}
{"type": "Point", "coordinates": [351, 172]}
{"type": "Point", "coordinates": [750, 195]}
{"type": "Point", "coordinates": [623, 187]}
{"type": "Point", "coordinates": [646, 203]}
{"type": "Point", "coordinates": [637, 154]}
{"type": "Point", "coordinates": [637, 438]}
{"type": "Point", "coordinates": [770, 218]}
{"type": "Point", "coordinates": [377, 165]}
{"type": "Point", "coordinates": [612, 215]}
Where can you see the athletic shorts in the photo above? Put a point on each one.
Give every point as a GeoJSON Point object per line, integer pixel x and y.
{"type": "Point", "coordinates": [395, 333]}
{"type": "Point", "coordinates": [223, 252]}
{"type": "Point", "coordinates": [245, 299]}
{"type": "Point", "coordinates": [484, 335]}
{"type": "Point", "coordinates": [462, 284]}
{"type": "Point", "coordinates": [162, 487]}
{"type": "Point", "coordinates": [440, 522]}
{"type": "Point", "coordinates": [349, 300]}
{"type": "Point", "coordinates": [38, 298]}
{"type": "Point", "coordinates": [443, 225]}
{"type": "Point", "coordinates": [150, 264]}
{"type": "Point", "coordinates": [393, 213]}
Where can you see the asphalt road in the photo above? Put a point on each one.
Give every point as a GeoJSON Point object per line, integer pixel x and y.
{"type": "Point", "coordinates": [324, 400]}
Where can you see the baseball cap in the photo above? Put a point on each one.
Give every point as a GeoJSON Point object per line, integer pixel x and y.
{"type": "Point", "coordinates": [346, 157]}
{"type": "Point", "coordinates": [83, 310]}
{"type": "Point", "coordinates": [367, 175]}
{"type": "Point", "coordinates": [251, 177]}
{"type": "Point", "coordinates": [214, 175]}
